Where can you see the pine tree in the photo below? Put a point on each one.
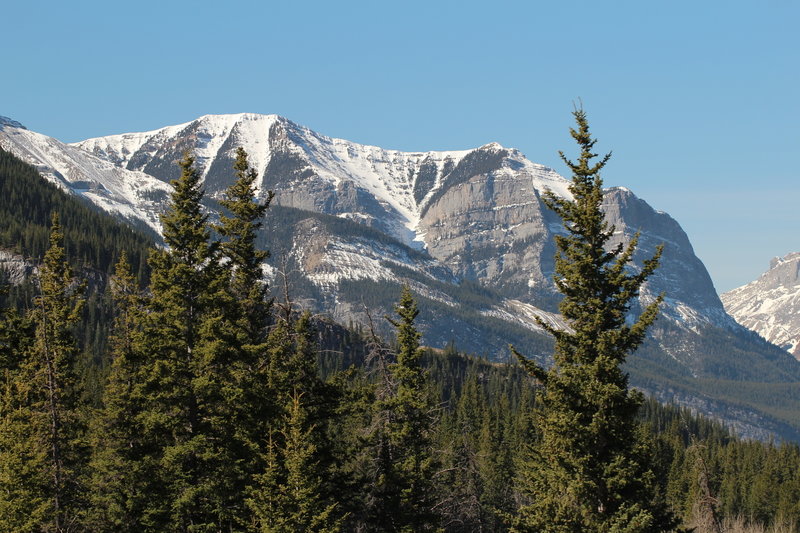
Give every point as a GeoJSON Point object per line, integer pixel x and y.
{"type": "Point", "coordinates": [589, 470]}
{"type": "Point", "coordinates": [119, 483]}
{"type": "Point", "coordinates": [404, 484]}
{"type": "Point", "coordinates": [188, 345]}
{"type": "Point", "coordinates": [290, 496]}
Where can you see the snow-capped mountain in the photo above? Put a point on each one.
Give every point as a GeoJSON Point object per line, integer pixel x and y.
{"type": "Point", "coordinates": [309, 170]}
{"type": "Point", "coordinates": [474, 215]}
{"type": "Point", "coordinates": [130, 195]}
{"type": "Point", "coordinates": [467, 230]}
{"type": "Point", "coordinates": [477, 212]}
{"type": "Point", "coordinates": [770, 305]}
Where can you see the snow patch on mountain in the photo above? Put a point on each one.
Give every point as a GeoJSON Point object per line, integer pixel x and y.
{"type": "Point", "coordinates": [526, 314]}
{"type": "Point", "coordinates": [211, 132]}
{"type": "Point", "coordinates": [770, 305]}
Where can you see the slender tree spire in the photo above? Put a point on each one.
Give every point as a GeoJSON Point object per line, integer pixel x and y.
{"type": "Point", "coordinates": [119, 483]}
{"type": "Point", "coordinates": [52, 369]}
{"type": "Point", "coordinates": [240, 230]}
{"type": "Point", "coordinates": [404, 486]}
{"type": "Point", "coordinates": [589, 470]}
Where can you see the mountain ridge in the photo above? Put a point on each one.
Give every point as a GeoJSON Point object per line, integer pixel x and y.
{"type": "Point", "coordinates": [406, 181]}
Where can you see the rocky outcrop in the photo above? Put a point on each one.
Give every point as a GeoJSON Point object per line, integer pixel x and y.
{"type": "Point", "coordinates": [14, 268]}
{"type": "Point", "coordinates": [492, 227]}
{"type": "Point", "coordinates": [690, 297]}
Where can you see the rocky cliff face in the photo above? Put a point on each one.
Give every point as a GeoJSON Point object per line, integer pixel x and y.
{"type": "Point", "coordinates": [490, 225]}
{"type": "Point", "coordinates": [14, 268]}
{"type": "Point", "coordinates": [689, 291]}
{"type": "Point", "coordinates": [770, 305]}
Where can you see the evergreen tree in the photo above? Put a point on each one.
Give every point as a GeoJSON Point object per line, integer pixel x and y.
{"type": "Point", "coordinates": [240, 230]}
{"type": "Point", "coordinates": [589, 470]}
{"type": "Point", "coordinates": [43, 448]}
{"type": "Point", "coordinates": [465, 467]}
{"type": "Point", "coordinates": [119, 482]}
{"type": "Point", "coordinates": [24, 484]}
{"type": "Point", "coordinates": [403, 488]}
{"type": "Point", "coordinates": [25, 487]}
{"type": "Point", "coordinates": [290, 495]}
{"type": "Point", "coordinates": [188, 343]}
{"type": "Point", "coordinates": [294, 490]}
{"type": "Point", "coordinates": [16, 334]}
{"type": "Point", "coordinates": [57, 412]}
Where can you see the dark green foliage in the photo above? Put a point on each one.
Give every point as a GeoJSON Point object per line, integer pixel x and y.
{"type": "Point", "coordinates": [589, 469]}
{"type": "Point", "coordinates": [293, 491]}
{"type": "Point", "coordinates": [119, 482]}
{"type": "Point", "coordinates": [240, 230]}
{"type": "Point", "coordinates": [24, 484]}
{"type": "Point", "coordinates": [91, 238]}
{"type": "Point", "coordinates": [188, 345]}
{"type": "Point", "coordinates": [52, 368]}
{"type": "Point", "coordinates": [290, 492]}
{"type": "Point", "coordinates": [25, 487]}
{"type": "Point", "coordinates": [404, 464]}
{"type": "Point", "coordinates": [43, 447]}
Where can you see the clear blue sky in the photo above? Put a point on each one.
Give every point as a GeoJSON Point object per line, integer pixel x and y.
{"type": "Point", "coordinates": [698, 100]}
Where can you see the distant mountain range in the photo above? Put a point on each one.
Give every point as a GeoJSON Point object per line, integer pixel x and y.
{"type": "Point", "coordinates": [770, 305]}
{"type": "Point", "coordinates": [467, 230]}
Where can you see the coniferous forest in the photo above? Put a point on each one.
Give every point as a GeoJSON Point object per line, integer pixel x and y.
{"type": "Point", "coordinates": [149, 389]}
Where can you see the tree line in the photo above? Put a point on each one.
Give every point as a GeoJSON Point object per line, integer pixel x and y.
{"type": "Point", "coordinates": [214, 408]}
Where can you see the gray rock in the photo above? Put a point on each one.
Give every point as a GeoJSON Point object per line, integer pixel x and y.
{"type": "Point", "coordinates": [14, 268]}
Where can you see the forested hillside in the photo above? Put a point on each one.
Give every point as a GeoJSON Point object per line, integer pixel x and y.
{"type": "Point", "coordinates": [92, 239]}
{"type": "Point", "coordinates": [199, 399]}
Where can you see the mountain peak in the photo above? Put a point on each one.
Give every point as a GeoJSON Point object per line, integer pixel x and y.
{"type": "Point", "coordinates": [776, 261]}
{"type": "Point", "coordinates": [494, 146]}
{"type": "Point", "coordinates": [5, 121]}
{"type": "Point", "coordinates": [770, 305]}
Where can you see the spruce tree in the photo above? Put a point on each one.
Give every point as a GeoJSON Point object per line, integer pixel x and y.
{"type": "Point", "coordinates": [24, 483]}
{"type": "Point", "coordinates": [240, 231]}
{"type": "Point", "coordinates": [403, 486]}
{"type": "Point", "coordinates": [290, 495]}
{"type": "Point", "coordinates": [293, 492]}
{"type": "Point", "coordinates": [465, 465]}
{"type": "Point", "coordinates": [188, 346]}
{"type": "Point", "coordinates": [43, 442]}
{"type": "Point", "coordinates": [256, 369]}
{"type": "Point", "coordinates": [119, 483]}
{"type": "Point", "coordinates": [589, 471]}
